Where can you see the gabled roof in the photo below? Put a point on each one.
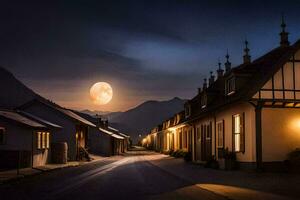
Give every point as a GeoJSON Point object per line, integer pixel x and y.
{"type": "Point", "coordinates": [110, 133]}
{"type": "Point", "coordinates": [40, 120]}
{"type": "Point", "coordinates": [12, 115]}
{"type": "Point", "coordinates": [124, 135]}
{"type": "Point", "coordinates": [60, 109]}
{"type": "Point", "coordinates": [76, 117]}
{"type": "Point", "coordinates": [254, 74]}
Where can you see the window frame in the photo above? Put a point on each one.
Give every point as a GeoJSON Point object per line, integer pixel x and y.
{"type": "Point", "coordinates": [241, 133]}
{"type": "Point", "coordinates": [203, 101]}
{"type": "Point", "coordinates": [3, 142]}
{"type": "Point", "coordinates": [230, 90]}
{"type": "Point", "coordinates": [222, 125]}
{"type": "Point", "coordinates": [187, 111]}
{"type": "Point", "coordinates": [42, 140]}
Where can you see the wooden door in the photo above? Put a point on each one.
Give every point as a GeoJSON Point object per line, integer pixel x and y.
{"type": "Point", "coordinates": [206, 132]}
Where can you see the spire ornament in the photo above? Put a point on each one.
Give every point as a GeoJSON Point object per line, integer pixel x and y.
{"type": "Point", "coordinates": [227, 63]}
{"type": "Point", "coordinates": [284, 36]}
{"type": "Point", "coordinates": [247, 57]}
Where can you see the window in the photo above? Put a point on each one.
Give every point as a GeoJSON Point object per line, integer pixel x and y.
{"type": "Point", "coordinates": [208, 131]}
{"type": "Point", "coordinates": [38, 140]}
{"type": "Point", "coordinates": [47, 140]}
{"type": "Point", "coordinates": [203, 100]}
{"type": "Point", "coordinates": [43, 140]}
{"type": "Point", "coordinates": [238, 133]}
{"type": "Point", "coordinates": [230, 86]}
{"type": "Point", "coordinates": [220, 133]}
{"type": "Point", "coordinates": [187, 110]}
{"type": "Point", "coordinates": [2, 135]}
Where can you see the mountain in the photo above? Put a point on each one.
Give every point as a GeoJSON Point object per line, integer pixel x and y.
{"type": "Point", "coordinates": [108, 115]}
{"type": "Point", "coordinates": [13, 92]}
{"type": "Point", "coordinates": [143, 118]}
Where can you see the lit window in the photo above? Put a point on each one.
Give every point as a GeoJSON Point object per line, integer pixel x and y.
{"type": "Point", "coordinates": [220, 129]}
{"type": "Point", "coordinates": [44, 140]}
{"type": "Point", "coordinates": [2, 135]}
{"type": "Point", "coordinates": [48, 140]}
{"type": "Point", "coordinates": [38, 140]}
{"type": "Point", "coordinates": [230, 86]}
{"type": "Point", "coordinates": [238, 133]}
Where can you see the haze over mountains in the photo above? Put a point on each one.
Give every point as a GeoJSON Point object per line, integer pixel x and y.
{"type": "Point", "coordinates": [141, 119]}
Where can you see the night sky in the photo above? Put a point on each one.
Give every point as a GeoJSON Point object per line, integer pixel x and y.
{"type": "Point", "coordinates": [147, 50]}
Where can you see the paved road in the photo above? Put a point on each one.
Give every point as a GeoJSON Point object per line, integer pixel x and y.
{"type": "Point", "coordinates": [132, 176]}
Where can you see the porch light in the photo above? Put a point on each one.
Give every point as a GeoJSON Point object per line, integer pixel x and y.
{"type": "Point", "coordinates": [295, 124]}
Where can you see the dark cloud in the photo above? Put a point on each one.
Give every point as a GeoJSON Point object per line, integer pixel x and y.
{"type": "Point", "coordinates": [147, 49]}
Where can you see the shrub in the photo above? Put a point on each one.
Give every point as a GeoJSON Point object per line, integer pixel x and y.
{"type": "Point", "coordinates": [187, 156]}
{"type": "Point", "coordinates": [294, 158]}
{"type": "Point", "coordinates": [212, 163]}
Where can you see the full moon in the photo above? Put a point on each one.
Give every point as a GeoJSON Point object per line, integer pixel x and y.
{"type": "Point", "coordinates": [101, 93]}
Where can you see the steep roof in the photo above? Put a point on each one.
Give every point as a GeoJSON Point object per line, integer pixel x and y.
{"type": "Point", "coordinates": [40, 120]}
{"type": "Point", "coordinates": [254, 74]}
{"type": "Point", "coordinates": [12, 115]}
{"type": "Point", "coordinates": [60, 109]}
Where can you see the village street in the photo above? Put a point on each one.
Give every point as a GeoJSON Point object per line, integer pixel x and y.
{"type": "Point", "coordinates": [148, 175]}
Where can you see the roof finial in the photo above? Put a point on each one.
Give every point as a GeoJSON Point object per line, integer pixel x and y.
{"type": "Point", "coordinates": [284, 40]}
{"type": "Point", "coordinates": [211, 79]}
{"type": "Point", "coordinates": [247, 57]}
{"type": "Point", "coordinates": [227, 63]}
{"type": "Point", "coordinates": [219, 70]}
{"type": "Point", "coordinates": [204, 83]}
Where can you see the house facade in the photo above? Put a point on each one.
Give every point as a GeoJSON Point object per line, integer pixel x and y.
{"type": "Point", "coordinates": [24, 142]}
{"type": "Point", "coordinates": [103, 139]}
{"type": "Point", "coordinates": [251, 110]}
{"type": "Point", "coordinates": [74, 128]}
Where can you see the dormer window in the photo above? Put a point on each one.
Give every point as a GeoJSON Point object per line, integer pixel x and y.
{"type": "Point", "coordinates": [230, 86]}
{"type": "Point", "coordinates": [203, 101]}
{"type": "Point", "coordinates": [187, 111]}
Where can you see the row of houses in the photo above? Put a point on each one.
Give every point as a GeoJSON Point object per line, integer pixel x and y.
{"type": "Point", "coordinates": [250, 110]}
{"type": "Point", "coordinates": [41, 132]}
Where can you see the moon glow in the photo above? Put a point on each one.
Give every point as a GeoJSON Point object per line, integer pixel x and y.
{"type": "Point", "coordinates": [101, 93]}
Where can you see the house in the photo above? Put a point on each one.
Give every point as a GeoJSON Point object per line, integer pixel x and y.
{"type": "Point", "coordinates": [24, 141]}
{"type": "Point", "coordinates": [74, 128]}
{"type": "Point", "coordinates": [174, 134]}
{"type": "Point", "coordinates": [251, 110]}
{"type": "Point", "coordinates": [103, 139]}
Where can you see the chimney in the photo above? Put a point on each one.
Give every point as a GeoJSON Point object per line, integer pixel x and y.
{"type": "Point", "coordinates": [284, 36]}
{"type": "Point", "coordinates": [247, 57]}
{"type": "Point", "coordinates": [204, 84]}
{"type": "Point", "coordinates": [227, 63]}
{"type": "Point", "coordinates": [105, 123]}
{"type": "Point", "coordinates": [99, 122]}
{"type": "Point", "coordinates": [220, 71]}
{"type": "Point", "coordinates": [211, 78]}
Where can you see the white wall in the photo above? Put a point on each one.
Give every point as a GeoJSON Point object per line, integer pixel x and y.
{"type": "Point", "coordinates": [280, 132]}
{"type": "Point", "coordinates": [66, 134]}
{"type": "Point", "coordinates": [250, 153]}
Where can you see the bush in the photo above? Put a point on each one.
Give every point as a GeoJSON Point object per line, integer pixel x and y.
{"type": "Point", "coordinates": [212, 163]}
{"type": "Point", "coordinates": [294, 158]}
{"type": "Point", "coordinates": [187, 156]}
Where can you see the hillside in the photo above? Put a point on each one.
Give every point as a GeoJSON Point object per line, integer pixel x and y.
{"type": "Point", "coordinates": [13, 92]}
{"type": "Point", "coordinates": [143, 118]}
